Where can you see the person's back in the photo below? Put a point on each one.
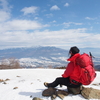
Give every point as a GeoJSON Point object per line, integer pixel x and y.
{"type": "Point", "coordinates": [72, 68]}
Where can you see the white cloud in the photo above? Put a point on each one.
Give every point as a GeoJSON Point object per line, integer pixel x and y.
{"type": "Point", "coordinates": [4, 15]}
{"type": "Point", "coordinates": [54, 21]}
{"type": "Point", "coordinates": [19, 32]}
{"type": "Point", "coordinates": [59, 38]}
{"type": "Point", "coordinates": [55, 7]}
{"type": "Point", "coordinates": [90, 18]}
{"type": "Point", "coordinates": [4, 5]}
{"type": "Point", "coordinates": [67, 4]}
{"type": "Point", "coordinates": [21, 25]}
{"type": "Point", "coordinates": [49, 15]}
{"type": "Point", "coordinates": [66, 25]}
{"type": "Point", "coordinates": [30, 10]}
{"type": "Point", "coordinates": [4, 11]}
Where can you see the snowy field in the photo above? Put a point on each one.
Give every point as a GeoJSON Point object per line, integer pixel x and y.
{"type": "Point", "coordinates": [28, 83]}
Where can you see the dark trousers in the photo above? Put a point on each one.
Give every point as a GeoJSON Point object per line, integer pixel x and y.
{"type": "Point", "coordinates": [63, 81]}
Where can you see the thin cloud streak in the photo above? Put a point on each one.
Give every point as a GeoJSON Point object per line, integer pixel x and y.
{"type": "Point", "coordinates": [70, 23]}
{"type": "Point", "coordinates": [90, 18]}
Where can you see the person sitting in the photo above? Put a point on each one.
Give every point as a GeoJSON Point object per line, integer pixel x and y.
{"type": "Point", "coordinates": [70, 77]}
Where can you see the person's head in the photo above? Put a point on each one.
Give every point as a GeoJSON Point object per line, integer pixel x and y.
{"type": "Point", "coordinates": [73, 50]}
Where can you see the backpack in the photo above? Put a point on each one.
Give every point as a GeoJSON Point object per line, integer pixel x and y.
{"type": "Point", "coordinates": [86, 69]}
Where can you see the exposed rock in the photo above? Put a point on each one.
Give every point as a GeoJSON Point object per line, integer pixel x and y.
{"type": "Point", "coordinates": [4, 82]}
{"type": "Point", "coordinates": [90, 93]}
{"type": "Point", "coordinates": [49, 92]}
{"type": "Point", "coordinates": [61, 93]}
{"type": "Point", "coordinates": [95, 84]}
{"type": "Point", "coordinates": [7, 79]}
{"type": "Point", "coordinates": [65, 93]}
{"type": "Point", "coordinates": [17, 76]}
{"type": "Point", "coordinates": [1, 80]}
{"type": "Point", "coordinates": [87, 93]}
{"type": "Point", "coordinates": [36, 98]}
{"type": "Point", "coordinates": [53, 97]}
{"type": "Point", "coordinates": [75, 90]}
{"type": "Point", "coordinates": [15, 88]}
{"type": "Point", "coordinates": [53, 93]}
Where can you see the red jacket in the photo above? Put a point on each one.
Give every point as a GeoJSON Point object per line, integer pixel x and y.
{"type": "Point", "coordinates": [72, 70]}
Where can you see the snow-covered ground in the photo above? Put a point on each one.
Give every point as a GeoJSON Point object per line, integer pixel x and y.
{"type": "Point", "coordinates": [29, 84]}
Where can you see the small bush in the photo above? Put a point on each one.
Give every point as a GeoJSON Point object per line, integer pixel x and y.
{"type": "Point", "coordinates": [10, 63]}
{"type": "Point", "coordinates": [60, 67]}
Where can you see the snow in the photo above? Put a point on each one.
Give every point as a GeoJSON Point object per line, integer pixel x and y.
{"type": "Point", "coordinates": [29, 83]}
{"type": "Point", "coordinates": [37, 62]}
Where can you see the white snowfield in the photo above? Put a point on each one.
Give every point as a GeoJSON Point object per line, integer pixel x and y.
{"type": "Point", "coordinates": [28, 83]}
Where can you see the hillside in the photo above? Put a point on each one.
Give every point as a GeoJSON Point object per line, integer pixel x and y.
{"type": "Point", "coordinates": [37, 57]}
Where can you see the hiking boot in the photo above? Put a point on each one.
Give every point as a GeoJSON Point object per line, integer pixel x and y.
{"type": "Point", "coordinates": [45, 84]}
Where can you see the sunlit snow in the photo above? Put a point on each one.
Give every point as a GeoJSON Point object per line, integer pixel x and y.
{"type": "Point", "coordinates": [29, 84]}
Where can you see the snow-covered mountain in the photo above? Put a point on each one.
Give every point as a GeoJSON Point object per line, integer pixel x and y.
{"type": "Point", "coordinates": [37, 57]}
{"type": "Point", "coordinates": [44, 56]}
{"type": "Point", "coordinates": [35, 52]}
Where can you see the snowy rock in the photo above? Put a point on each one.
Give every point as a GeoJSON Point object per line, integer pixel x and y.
{"type": "Point", "coordinates": [35, 98]}
{"type": "Point", "coordinates": [49, 92]}
{"type": "Point", "coordinates": [15, 88]}
{"type": "Point", "coordinates": [90, 93]}
{"type": "Point", "coordinates": [53, 93]}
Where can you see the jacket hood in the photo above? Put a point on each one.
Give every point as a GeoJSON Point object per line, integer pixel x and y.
{"type": "Point", "coordinates": [73, 57]}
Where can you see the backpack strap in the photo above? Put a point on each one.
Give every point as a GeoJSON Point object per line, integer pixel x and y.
{"type": "Point", "coordinates": [73, 81]}
{"type": "Point", "coordinates": [91, 56]}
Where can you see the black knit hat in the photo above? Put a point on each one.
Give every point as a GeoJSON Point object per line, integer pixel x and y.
{"type": "Point", "coordinates": [74, 50]}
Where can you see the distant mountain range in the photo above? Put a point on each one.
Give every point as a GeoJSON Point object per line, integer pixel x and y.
{"type": "Point", "coordinates": [36, 52]}
{"type": "Point", "coordinates": [37, 57]}
{"type": "Point", "coordinates": [94, 51]}
{"type": "Point", "coordinates": [44, 56]}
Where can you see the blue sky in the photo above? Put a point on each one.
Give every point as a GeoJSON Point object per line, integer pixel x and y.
{"type": "Point", "coordinates": [60, 23]}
